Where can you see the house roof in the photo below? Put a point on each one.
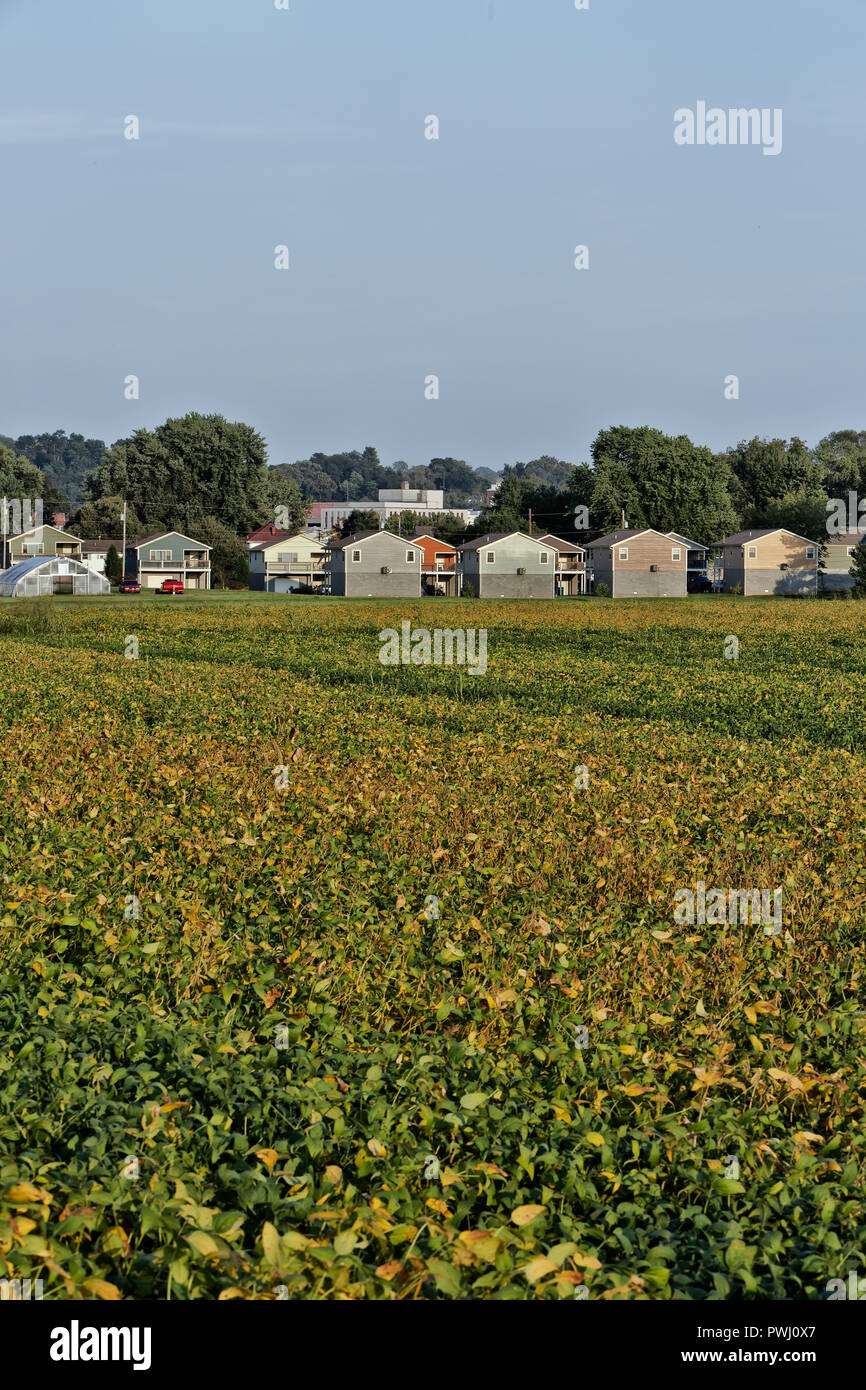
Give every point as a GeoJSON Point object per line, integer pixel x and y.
{"type": "Point", "coordinates": [846, 538]}
{"type": "Point", "coordinates": [262, 533]}
{"type": "Point", "coordinates": [678, 536]}
{"type": "Point", "coordinates": [161, 535]}
{"type": "Point", "coordinates": [283, 536]}
{"type": "Point", "coordinates": [265, 541]}
{"type": "Point", "coordinates": [32, 531]}
{"type": "Point", "coordinates": [747, 537]}
{"type": "Point", "coordinates": [429, 536]}
{"type": "Point", "coordinates": [615, 537]}
{"type": "Point", "coordinates": [99, 547]}
{"type": "Point", "coordinates": [564, 547]}
{"type": "Point", "coordinates": [481, 541]}
{"type": "Point", "coordinates": [361, 536]}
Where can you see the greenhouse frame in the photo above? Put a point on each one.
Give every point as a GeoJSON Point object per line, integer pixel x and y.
{"type": "Point", "coordinates": [50, 574]}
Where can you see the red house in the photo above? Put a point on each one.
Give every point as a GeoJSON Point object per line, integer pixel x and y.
{"type": "Point", "coordinates": [439, 565]}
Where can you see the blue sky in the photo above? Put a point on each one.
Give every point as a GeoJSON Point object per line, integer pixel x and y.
{"type": "Point", "coordinates": [412, 257]}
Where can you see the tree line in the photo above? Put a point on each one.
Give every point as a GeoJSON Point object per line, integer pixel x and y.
{"type": "Point", "coordinates": [209, 477]}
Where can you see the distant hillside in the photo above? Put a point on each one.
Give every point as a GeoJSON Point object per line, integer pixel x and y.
{"type": "Point", "coordinates": [67, 459]}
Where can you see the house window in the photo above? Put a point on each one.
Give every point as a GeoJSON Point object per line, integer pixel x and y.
{"type": "Point", "coordinates": [491, 556]}
{"type": "Point", "coordinates": [356, 557]}
{"type": "Point", "coordinates": [160, 555]}
{"type": "Point", "coordinates": [623, 553]}
{"type": "Point", "coordinates": [850, 551]}
{"type": "Point", "coordinates": [544, 557]}
{"type": "Point", "coordinates": [288, 556]}
{"type": "Point", "coordinates": [810, 552]}
{"type": "Point", "coordinates": [675, 556]}
{"type": "Point", "coordinates": [410, 557]}
{"type": "Point", "coordinates": [753, 552]}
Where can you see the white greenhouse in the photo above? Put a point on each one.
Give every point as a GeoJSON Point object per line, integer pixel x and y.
{"type": "Point", "coordinates": [50, 574]}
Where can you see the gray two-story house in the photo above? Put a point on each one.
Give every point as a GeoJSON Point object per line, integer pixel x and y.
{"type": "Point", "coordinates": [508, 565]}
{"type": "Point", "coordinates": [374, 564]}
{"type": "Point", "coordinates": [169, 555]}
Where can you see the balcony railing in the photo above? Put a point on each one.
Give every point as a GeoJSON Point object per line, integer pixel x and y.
{"type": "Point", "coordinates": [294, 567]}
{"type": "Point", "coordinates": [567, 563]}
{"type": "Point", "coordinates": [196, 561]}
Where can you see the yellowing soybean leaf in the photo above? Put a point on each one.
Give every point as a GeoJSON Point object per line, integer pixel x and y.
{"type": "Point", "coordinates": [521, 1216]}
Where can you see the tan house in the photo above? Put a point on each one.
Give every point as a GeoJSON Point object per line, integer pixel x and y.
{"type": "Point", "coordinates": [838, 555]}
{"type": "Point", "coordinates": [287, 564]}
{"type": "Point", "coordinates": [570, 566]}
{"type": "Point", "coordinates": [640, 563]}
{"type": "Point", "coordinates": [42, 540]}
{"type": "Point", "coordinates": [769, 561]}
{"type": "Point", "coordinates": [374, 564]}
{"type": "Point", "coordinates": [697, 559]}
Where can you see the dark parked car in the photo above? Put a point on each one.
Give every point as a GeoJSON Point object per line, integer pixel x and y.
{"type": "Point", "coordinates": [130, 586]}
{"type": "Point", "coordinates": [700, 584]}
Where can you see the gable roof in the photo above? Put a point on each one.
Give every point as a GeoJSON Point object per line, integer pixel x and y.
{"type": "Point", "coordinates": [482, 541]}
{"type": "Point", "coordinates": [616, 537]}
{"type": "Point", "coordinates": [846, 538]}
{"type": "Point", "coordinates": [678, 536]}
{"type": "Point", "coordinates": [362, 536]}
{"type": "Point", "coordinates": [564, 547]}
{"type": "Point", "coordinates": [262, 533]}
{"type": "Point", "coordinates": [282, 537]}
{"type": "Point", "coordinates": [161, 535]}
{"type": "Point", "coordinates": [99, 547]}
{"type": "Point", "coordinates": [748, 537]}
{"type": "Point", "coordinates": [33, 530]}
{"type": "Point", "coordinates": [429, 536]}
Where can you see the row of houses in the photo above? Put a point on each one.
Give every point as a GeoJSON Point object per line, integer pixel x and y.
{"type": "Point", "coordinates": [48, 560]}
{"type": "Point", "coordinates": [630, 563]}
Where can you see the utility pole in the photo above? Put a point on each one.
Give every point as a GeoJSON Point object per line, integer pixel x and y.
{"type": "Point", "coordinates": [3, 564]}
{"type": "Point", "coordinates": [123, 544]}
{"type": "Point", "coordinates": [530, 521]}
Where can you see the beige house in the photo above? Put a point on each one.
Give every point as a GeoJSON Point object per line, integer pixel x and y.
{"type": "Point", "coordinates": [770, 561]}
{"type": "Point", "coordinates": [570, 566]}
{"type": "Point", "coordinates": [640, 563]}
{"type": "Point", "coordinates": [697, 557]}
{"type": "Point", "coordinates": [374, 564]}
{"type": "Point", "coordinates": [508, 565]}
{"type": "Point", "coordinates": [838, 554]}
{"type": "Point", "coordinates": [287, 564]}
{"type": "Point", "coordinates": [42, 540]}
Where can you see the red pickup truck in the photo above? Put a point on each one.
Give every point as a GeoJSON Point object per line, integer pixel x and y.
{"type": "Point", "coordinates": [171, 586]}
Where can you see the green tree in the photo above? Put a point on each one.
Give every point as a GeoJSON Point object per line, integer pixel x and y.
{"type": "Point", "coordinates": [67, 460]}
{"type": "Point", "coordinates": [188, 469]}
{"type": "Point", "coordinates": [102, 518]}
{"type": "Point", "coordinates": [766, 470]}
{"type": "Point", "coordinates": [113, 566]}
{"type": "Point", "coordinates": [284, 506]}
{"type": "Point", "coordinates": [229, 557]}
{"type": "Point", "coordinates": [801, 512]}
{"type": "Point", "coordinates": [858, 569]}
{"type": "Point", "coordinates": [842, 456]}
{"type": "Point", "coordinates": [359, 521]}
{"type": "Point", "coordinates": [665, 482]}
